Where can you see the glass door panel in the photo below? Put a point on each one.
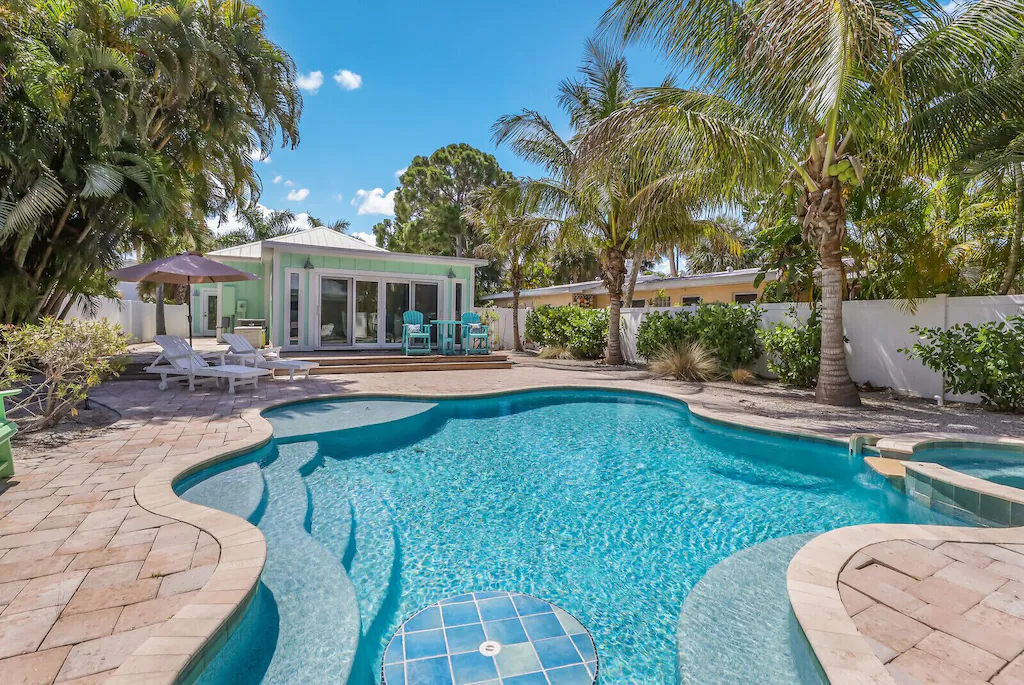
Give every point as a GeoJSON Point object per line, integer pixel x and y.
{"type": "Point", "coordinates": [425, 300]}
{"type": "Point", "coordinates": [334, 311]}
{"type": "Point", "coordinates": [293, 309]}
{"type": "Point", "coordinates": [458, 312]}
{"type": "Point", "coordinates": [396, 304]}
{"type": "Point", "coordinates": [366, 312]}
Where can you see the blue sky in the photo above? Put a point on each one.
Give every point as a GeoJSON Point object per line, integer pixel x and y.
{"type": "Point", "coordinates": [405, 78]}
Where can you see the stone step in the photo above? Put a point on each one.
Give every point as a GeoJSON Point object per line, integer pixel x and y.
{"type": "Point", "coordinates": [400, 367]}
{"type": "Point", "coordinates": [355, 360]}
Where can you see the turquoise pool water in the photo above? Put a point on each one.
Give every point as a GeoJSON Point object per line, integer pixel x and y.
{"type": "Point", "coordinates": [999, 465]}
{"type": "Point", "coordinates": [610, 505]}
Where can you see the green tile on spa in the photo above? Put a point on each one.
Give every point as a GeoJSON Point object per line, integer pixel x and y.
{"type": "Point", "coordinates": [1016, 514]}
{"type": "Point", "coordinates": [995, 509]}
{"type": "Point", "coordinates": [968, 500]}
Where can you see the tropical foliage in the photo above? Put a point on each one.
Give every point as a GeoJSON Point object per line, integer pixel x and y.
{"type": "Point", "coordinates": [987, 360]}
{"type": "Point", "coordinates": [729, 332]}
{"type": "Point", "coordinates": [122, 123]}
{"type": "Point", "coordinates": [819, 98]}
{"type": "Point", "coordinates": [582, 332]}
{"type": "Point", "coordinates": [793, 353]}
{"type": "Point", "coordinates": [55, 363]}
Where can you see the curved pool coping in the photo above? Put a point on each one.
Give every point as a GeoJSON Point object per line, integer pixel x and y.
{"type": "Point", "coordinates": [182, 646]}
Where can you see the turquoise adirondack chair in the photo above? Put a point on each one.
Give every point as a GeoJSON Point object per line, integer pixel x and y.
{"type": "Point", "coordinates": [476, 337]}
{"type": "Point", "coordinates": [7, 431]}
{"type": "Point", "coordinates": [415, 331]}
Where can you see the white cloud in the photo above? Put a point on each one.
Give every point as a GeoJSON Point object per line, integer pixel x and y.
{"type": "Point", "coordinates": [290, 183]}
{"type": "Point", "coordinates": [398, 174]}
{"type": "Point", "coordinates": [298, 195]}
{"type": "Point", "coordinates": [339, 197]}
{"type": "Point", "coordinates": [348, 80]}
{"type": "Point", "coordinates": [367, 238]}
{"type": "Point", "coordinates": [374, 201]}
{"type": "Point", "coordinates": [278, 179]}
{"type": "Point", "coordinates": [256, 155]}
{"type": "Point", "coordinates": [310, 82]}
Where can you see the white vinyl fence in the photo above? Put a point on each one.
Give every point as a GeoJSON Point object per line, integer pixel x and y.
{"type": "Point", "coordinates": [136, 317]}
{"type": "Point", "coordinates": [876, 329]}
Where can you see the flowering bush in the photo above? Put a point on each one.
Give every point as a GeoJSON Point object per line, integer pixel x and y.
{"type": "Point", "coordinates": [55, 363]}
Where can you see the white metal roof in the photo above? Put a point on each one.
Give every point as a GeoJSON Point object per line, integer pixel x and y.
{"type": "Point", "coordinates": [320, 236]}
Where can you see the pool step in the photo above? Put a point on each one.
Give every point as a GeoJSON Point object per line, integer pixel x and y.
{"type": "Point", "coordinates": [306, 579]}
{"type": "Point", "coordinates": [373, 565]}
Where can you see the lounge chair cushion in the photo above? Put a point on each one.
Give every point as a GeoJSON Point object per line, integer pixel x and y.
{"type": "Point", "coordinates": [413, 327]}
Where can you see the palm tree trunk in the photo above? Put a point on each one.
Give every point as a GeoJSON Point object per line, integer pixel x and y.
{"type": "Point", "coordinates": [614, 270]}
{"type": "Point", "coordinates": [673, 263]}
{"type": "Point", "coordinates": [517, 344]}
{"type": "Point", "coordinates": [1018, 233]}
{"type": "Point", "coordinates": [161, 317]}
{"type": "Point", "coordinates": [633, 273]}
{"type": "Point", "coordinates": [834, 384]}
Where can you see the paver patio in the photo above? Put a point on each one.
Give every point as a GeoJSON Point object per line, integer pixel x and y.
{"type": "Point", "coordinates": [96, 585]}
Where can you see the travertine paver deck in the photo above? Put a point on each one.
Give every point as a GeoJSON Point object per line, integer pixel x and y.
{"type": "Point", "coordinates": [105, 576]}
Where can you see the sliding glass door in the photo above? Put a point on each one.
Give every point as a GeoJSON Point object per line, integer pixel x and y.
{"type": "Point", "coordinates": [366, 312]}
{"type": "Point", "coordinates": [425, 300]}
{"type": "Point", "coordinates": [396, 304]}
{"type": "Point", "coordinates": [334, 311]}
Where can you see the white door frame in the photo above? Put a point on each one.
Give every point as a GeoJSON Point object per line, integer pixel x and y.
{"type": "Point", "coordinates": [204, 299]}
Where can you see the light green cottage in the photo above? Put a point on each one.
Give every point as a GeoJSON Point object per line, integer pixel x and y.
{"type": "Point", "coordinates": [321, 289]}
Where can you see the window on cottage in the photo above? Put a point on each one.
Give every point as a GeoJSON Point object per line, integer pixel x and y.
{"type": "Point", "coordinates": [745, 298]}
{"type": "Point", "coordinates": [689, 301]}
{"type": "Point", "coordinates": [661, 301]}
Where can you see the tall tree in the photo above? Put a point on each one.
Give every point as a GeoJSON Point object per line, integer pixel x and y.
{"type": "Point", "coordinates": [430, 201]}
{"type": "Point", "coordinates": [257, 223]}
{"type": "Point", "coordinates": [516, 235]}
{"type": "Point", "coordinates": [815, 90]}
{"type": "Point", "coordinates": [121, 123]}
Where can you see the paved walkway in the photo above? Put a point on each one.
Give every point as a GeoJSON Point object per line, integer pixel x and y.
{"type": "Point", "coordinates": [103, 581]}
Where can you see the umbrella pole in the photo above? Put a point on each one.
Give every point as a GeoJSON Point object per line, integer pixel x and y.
{"type": "Point", "coordinates": [188, 282]}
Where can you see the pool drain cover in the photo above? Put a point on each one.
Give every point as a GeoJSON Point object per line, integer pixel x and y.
{"type": "Point", "coordinates": [485, 636]}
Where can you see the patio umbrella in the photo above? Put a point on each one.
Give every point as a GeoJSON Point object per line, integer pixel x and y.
{"type": "Point", "coordinates": [183, 269]}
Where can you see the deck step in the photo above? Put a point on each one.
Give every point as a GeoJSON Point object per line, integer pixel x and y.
{"type": "Point", "coordinates": [388, 367]}
{"type": "Point", "coordinates": [353, 360]}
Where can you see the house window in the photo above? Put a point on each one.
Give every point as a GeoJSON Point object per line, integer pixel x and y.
{"type": "Point", "coordinates": [638, 304]}
{"type": "Point", "coordinates": [745, 298]}
{"type": "Point", "coordinates": [689, 301]}
{"type": "Point", "coordinates": [665, 301]}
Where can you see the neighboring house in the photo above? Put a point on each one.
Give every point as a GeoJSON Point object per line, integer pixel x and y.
{"type": "Point", "coordinates": [322, 289]}
{"type": "Point", "coordinates": [651, 291]}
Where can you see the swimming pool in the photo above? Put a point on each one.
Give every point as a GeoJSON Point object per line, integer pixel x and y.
{"type": "Point", "coordinates": [611, 505]}
{"type": "Point", "coordinates": [995, 463]}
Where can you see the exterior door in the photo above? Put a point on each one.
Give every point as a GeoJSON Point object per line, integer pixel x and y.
{"type": "Point", "coordinates": [366, 312]}
{"type": "Point", "coordinates": [334, 319]}
{"type": "Point", "coordinates": [209, 321]}
{"type": "Point", "coordinates": [426, 300]}
{"type": "Point", "coordinates": [396, 304]}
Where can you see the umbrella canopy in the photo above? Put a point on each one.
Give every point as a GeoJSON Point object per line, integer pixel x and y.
{"type": "Point", "coordinates": [186, 268]}
{"type": "Point", "coordinates": [183, 269]}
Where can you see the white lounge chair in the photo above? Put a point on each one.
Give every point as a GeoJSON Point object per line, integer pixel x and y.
{"type": "Point", "coordinates": [242, 350]}
{"type": "Point", "coordinates": [179, 359]}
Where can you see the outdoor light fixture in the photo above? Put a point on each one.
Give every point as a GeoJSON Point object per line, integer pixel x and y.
{"type": "Point", "coordinates": [308, 266]}
{"type": "Point", "coordinates": [451, 273]}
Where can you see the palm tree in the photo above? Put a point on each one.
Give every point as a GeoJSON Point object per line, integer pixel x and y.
{"type": "Point", "coordinates": [515, 234]}
{"type": "Point", "coordinates": [814, 90]}
{"type": "Point", "coordinates": [259, 224]}
{"type": "Point", "coordinates": [339, 225]}
{"type": "Point", "coordinates": [611, 202]}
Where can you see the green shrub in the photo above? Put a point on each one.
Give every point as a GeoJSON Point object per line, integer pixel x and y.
{"type": "Point", "coordinates": [584, 332]}
{"type": "Point", "coordinates": [55, 363]}
{"type": "Point", "coordinates": [727, 331]}
{"type": "Point", "coordinates": [987, 360]}
{"type": "Point", "coordinates": [794, 353]}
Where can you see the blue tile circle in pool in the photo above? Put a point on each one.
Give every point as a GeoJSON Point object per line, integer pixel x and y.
{"type": "Point", "coordinates": [491, 637]}
{"type": "Point", "coordinates": [611, 505]}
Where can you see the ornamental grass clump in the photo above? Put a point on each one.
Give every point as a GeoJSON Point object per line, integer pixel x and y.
{"type": "Point", "coordinates": [685, 362]}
